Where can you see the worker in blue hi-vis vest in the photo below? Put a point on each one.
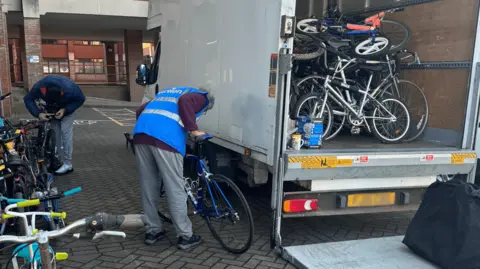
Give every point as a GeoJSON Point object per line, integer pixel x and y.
{"type": "Point", "coordinates": [160, 136]}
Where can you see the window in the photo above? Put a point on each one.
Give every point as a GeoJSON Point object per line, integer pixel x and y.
{"type": "Point", "coordinates": [54, 42]}
{"type": "Point", "coordinates": [55, 66]}
{"type": "Point", "coordinates": [87, 43]}
{"type": "Point", "coordinates": [89, 66]}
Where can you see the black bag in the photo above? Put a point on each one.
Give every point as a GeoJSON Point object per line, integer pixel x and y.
{"type": "Point", "coordinates": [446, 228]}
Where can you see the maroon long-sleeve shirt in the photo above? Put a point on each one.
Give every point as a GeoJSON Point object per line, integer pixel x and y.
{"type": "Point", "coordinates": [189, 105]}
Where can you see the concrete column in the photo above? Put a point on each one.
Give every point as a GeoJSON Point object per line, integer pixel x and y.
{"type": "Point", "coordinates": [32, 43]}
{"type": "Point", "coordinates": [110, 61]}
{"type": "Point", "coordinates": [71, 59]}
{"type": "Point", "coordinates": [5, 80]}
{"type": "Point", "coordinates": [134, 55]}
{"type": "Point", "coordinates": [15, 61]}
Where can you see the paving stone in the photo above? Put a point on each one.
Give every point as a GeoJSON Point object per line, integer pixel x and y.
{"type": "Point", "coordinates": [106, 171]}
{"type": "Point", "coordinates": [133, 265]}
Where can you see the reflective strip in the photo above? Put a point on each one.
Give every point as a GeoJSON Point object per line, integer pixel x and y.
{"type": "Point", "coordinates": [166, 99]}
{"type": "Point", "coordinates": [165, 113]}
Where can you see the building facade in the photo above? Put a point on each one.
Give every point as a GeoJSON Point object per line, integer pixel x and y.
{"type": "Point", "coordinates": [96, 43]}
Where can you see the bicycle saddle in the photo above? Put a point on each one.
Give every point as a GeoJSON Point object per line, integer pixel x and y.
{"type": "Point", "coordinates": [203, 138]}
{"type": "Point", "coordinates": [15, 160]}
{"type": "Point", "coordinates": [338, 43]}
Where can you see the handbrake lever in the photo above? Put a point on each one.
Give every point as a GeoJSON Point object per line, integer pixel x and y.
{"type": "Point", "coordinates": [109, 233]}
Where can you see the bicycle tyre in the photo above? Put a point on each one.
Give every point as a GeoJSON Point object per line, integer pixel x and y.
{"type": "Point", "coordinates": [51, 150]}
{"type": "Point", "coordinates": [416, 130]}
{"type": "Point", "coordinates": [328, 110]}
{"type": "Point", "coordinates": [340, 119]}
{"type": "Point", "coordinates": [234, 187]}
{"type": "Point", "coordinates": [51, 142]}
{"type": "Point", "coordinates": [381, 52]}
{"type": "Point", "coordinates": [309, 56]}
{"type": "Point", "coordinates": [375, 130]}
{"type": "Point", "coordinates": [407, 32]}
{"type": "Point", "coordinates": [311, 29]}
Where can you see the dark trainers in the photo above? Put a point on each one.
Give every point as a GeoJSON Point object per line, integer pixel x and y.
{"type": "Point", "coordinates": [186, 243]}
{"type": "Point", "coordinates": [151, 238]}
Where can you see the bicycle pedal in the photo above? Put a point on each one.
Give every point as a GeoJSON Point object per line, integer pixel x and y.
{"type": "Point", "coordinates": [355, 130]}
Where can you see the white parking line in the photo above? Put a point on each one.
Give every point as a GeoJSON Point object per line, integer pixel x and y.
{"type": "Point", "coordinates": [75, 122]}
{"type": "Point", "coordinates": [123, 117]}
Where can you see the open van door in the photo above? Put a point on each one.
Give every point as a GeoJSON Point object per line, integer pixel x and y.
{"type": "Point", "coordinates": [154, 22]}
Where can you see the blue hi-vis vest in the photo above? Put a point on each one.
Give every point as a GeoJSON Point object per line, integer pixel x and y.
{"type": "Point", "coordinates": [160, 118]}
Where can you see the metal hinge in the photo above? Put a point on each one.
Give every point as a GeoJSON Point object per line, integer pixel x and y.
{"type": "Point", "coordinates": [284, 63]}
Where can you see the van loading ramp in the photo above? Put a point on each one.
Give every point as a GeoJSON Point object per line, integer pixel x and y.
{"type": "Point", "coordinates": [376, 253]}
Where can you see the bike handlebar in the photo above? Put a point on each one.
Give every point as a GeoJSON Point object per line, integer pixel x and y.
{"type": "Point", "coordinates": [72, 191]}
{"type": "Point", "coordinates": [202, 138]}
{"type": "Point", "coordinates": [28, 203]}
{"type": "Point", "coordinates": [98, 222]}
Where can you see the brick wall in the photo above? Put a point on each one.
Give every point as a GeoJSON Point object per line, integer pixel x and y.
{"type": "Point", "coordinates": [134, 53]}
{"type": "Point", "coordinates": [115, 92]}
{"type": "Point", "coordinates": [4, 63]}
{"type": "Point", "coordinates": [33, 47]}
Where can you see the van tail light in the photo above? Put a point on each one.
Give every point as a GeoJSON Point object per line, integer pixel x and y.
{"type": "Point", "coordinates": [300, 205]}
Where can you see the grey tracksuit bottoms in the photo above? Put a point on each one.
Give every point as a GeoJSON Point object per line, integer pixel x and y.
{"type": "Point", "coordinates": [64, 140]}
{"type": "Point", "coordinates": [157, 167]}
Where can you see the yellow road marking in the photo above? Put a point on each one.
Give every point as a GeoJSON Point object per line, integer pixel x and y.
{"type": "Point", "coordinates": [110, 118]}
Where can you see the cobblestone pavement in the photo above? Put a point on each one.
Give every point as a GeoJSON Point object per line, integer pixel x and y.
{"type": "Point", "coordinates": [106, 172]}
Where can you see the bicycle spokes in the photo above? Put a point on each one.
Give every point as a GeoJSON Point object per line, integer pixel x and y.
{"type": "Point", "coordinates": [227, 214]}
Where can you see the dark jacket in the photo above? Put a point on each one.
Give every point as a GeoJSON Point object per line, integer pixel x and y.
{"type": "Point", "coordinates": [71, 100]}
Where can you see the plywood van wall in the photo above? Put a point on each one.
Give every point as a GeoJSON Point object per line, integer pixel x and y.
{"type": "Point", "coordinates": [442, 31]}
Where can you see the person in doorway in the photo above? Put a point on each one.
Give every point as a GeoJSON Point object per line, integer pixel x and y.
{"type": "Point", "coordinates": [160, 144]}
{"type": "Point", "coordinates": [62, 97]}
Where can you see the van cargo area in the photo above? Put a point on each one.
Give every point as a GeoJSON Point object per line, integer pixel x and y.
{"type": "Point", "coordinates": [442, 37]}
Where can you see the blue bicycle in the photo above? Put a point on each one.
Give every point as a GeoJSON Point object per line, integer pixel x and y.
{"type": "Point", "coordinates": [217, 200]}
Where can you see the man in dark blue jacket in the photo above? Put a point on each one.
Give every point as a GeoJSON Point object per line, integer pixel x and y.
{"type": "Point", "coordinates": [61, 97]}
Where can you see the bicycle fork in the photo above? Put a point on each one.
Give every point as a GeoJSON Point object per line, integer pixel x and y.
{"type": "Point", "coordinates": [43, 246]}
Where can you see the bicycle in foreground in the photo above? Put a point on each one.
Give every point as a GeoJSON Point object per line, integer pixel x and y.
{"type": "Point", "coordinates": [42, 158]}
{"type": "Point", "coordinates": [35, 249]}
{"type": "Point", "coordinates": [210, 199]}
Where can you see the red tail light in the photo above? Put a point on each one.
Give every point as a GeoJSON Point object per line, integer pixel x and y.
{"type": "Point", "coordinates": [300, 205]}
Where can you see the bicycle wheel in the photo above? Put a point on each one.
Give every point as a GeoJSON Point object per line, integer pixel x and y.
{"type": "Point", "coordinates": [372, 48]}
{"type": "Point", "coordinates": [306, 105]}
{"type": "Point", "coordinates": [398, 33]}
{"type": "Point", "coordinates": [308, 26]}
{"type": "Point", "coordinates": [229, 209]}
{"type": "Point", "coordinates": [339, 114]}
{"type": "Point", "coordinates": [385, 129]}
{"type": "Point", "coordinates": [416, 101]}
{"type": "Point", "coordinates": [306, 48]}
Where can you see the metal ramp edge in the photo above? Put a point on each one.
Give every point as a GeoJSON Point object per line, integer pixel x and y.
{"type": "Point", "coordinates": [375, 253]}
